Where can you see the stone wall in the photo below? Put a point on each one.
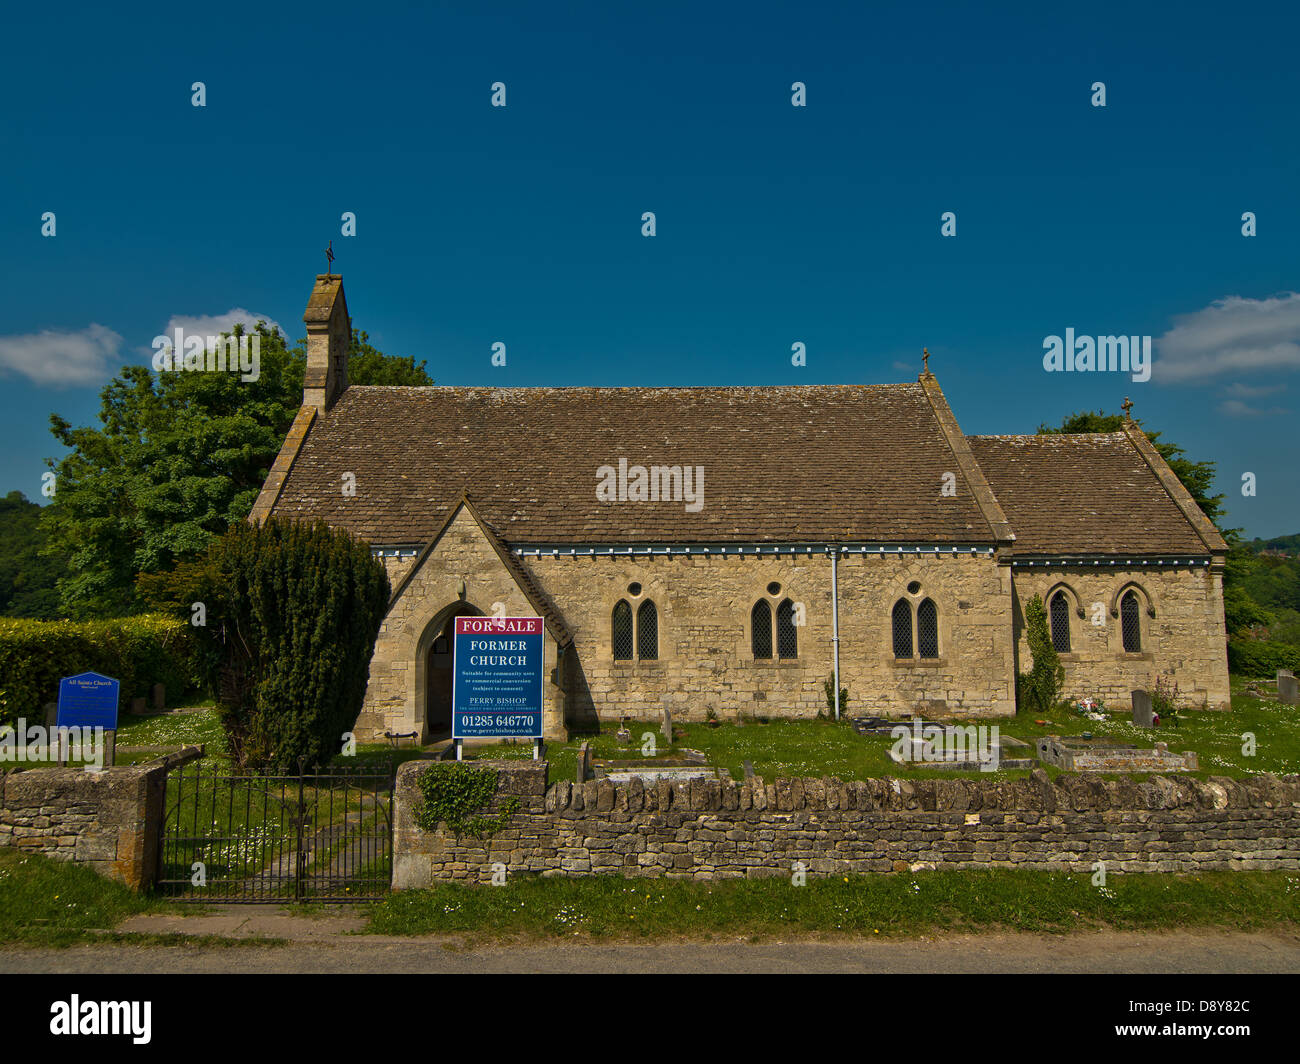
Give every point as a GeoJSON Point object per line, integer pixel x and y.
{"type": "Point", "coordinates": [1184, 639]}
{"type": "Point", "coordinates": [706, 661]}
{"type": "Point", "coordinates": [108, 820]}
{"type": "Point", "coordinates": [727, 830]}
{"type": "Point", "coordinates": [397, 691]}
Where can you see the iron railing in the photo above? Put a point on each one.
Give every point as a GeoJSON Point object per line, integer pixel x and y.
{"type": "Point", "coordinates": [323, 834]}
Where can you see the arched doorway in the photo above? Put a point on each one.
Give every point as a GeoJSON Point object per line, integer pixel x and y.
{"type": "Point", "coordinates": [438, 670]}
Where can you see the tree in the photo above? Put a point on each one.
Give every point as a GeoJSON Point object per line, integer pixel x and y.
{"type": "Point", "coordinates": [293, 610]}
{"type": "Point", "coordinates": [1040, 687]}
{"type": "Point", "coordinates": [1196, 477]}
{"type": "Point", "coordinates": [176, 458]}
{"type": "Point", "coordinates": [368, 365]}
{"type": "Point", "coordinates": [27, 579]}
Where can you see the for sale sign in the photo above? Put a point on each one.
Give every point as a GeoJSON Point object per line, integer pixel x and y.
{"type": "Point", "coordinates": [498, 678]}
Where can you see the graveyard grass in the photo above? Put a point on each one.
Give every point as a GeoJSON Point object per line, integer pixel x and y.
{"type": "Point", "coordinates": [778, 748]}
{"type": "Point", "coordinates": [818, 748]}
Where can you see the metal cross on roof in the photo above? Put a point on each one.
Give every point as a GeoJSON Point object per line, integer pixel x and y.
{"type": "Point", "coordinates": [1127, 407]}
{"type": "Point", "coordinates": [329, 257]}
{"type": "Point", "coordinates": [925, 359]}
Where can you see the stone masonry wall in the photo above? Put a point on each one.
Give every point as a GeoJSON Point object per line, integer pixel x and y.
{"type": "Point", "coordinates": [1185, 639]}
{"type": "Point", "coordinates": [706, 660]}
{"type": "Point", "coordinates": [395, 694]}
{"type": "Point", "coordinates": [108, 820]}
{"type": "Point", "coordinates": [726, 830]}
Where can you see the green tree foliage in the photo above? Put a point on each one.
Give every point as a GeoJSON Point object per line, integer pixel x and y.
{"type": "Point", "coordinates": [27, 578]}
{"type": "Point", "coordinates": [175, 459]}
{"type": "Point", "coordinates": [1039, 689]}
{"type": "Point", "coordinates": [138, 651]}
{"type": "Point", "coordinates": [368, 365]}
{"type": "Point", "coordinates": [293, 610]}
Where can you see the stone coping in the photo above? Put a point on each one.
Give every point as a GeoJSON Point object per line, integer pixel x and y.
{"type": "Point", "coordinates": [1038, 793]}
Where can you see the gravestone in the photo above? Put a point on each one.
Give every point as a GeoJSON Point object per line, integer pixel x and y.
{"type": "Point", "coordinates": [749, 770]}
{"type": "Point", "coordinates": [1142, 715]}
{"type": "Point", "coordinates": [584, 762]}
{"type": "Point", "coordinates": [158, 693]}
{"type": "Point", "coordinates": [137, 707]}
{"type": "Point", "coordinates": [666, 728]}
{"type": "Point", "coordinates": [1287, 690]}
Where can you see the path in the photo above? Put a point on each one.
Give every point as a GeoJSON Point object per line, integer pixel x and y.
{"type": "Point", "coordinates": [325, 945]}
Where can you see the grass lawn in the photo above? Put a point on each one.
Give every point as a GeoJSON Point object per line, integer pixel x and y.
{"type": "Point", "coordinates": [608, 907]}
{"type": "Point", "coordinates": [825, 748]}
{"type": "Point", "coordinates": [58, 903]}
{"type": "Point", "coordinates": [200, 726]}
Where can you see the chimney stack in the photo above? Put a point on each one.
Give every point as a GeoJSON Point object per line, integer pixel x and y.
{"type": "Point", "coordinates": [329, 335]}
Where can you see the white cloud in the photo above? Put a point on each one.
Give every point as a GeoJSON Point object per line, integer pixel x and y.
{"type": "Point", "coordinates": [216, 324]}
{"type": "Point", "coordinates": [62, 358]}
{"type": "Point", "coordinates": [1235, 335]}
{"type": "Point", "coordinates": [1236, 408]}
{"type": "Point", "coordinates": [1253, 391]}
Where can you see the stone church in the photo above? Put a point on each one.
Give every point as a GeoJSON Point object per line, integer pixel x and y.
{"type": "Point", "coordinates": [716, 550]}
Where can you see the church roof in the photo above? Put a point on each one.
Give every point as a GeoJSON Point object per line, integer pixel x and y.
{"type": "Point", "coordinates": [782, 465]}
{"type": "Point", "coordinates": [1094, 493]}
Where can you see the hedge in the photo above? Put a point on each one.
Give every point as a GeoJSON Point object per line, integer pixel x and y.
{"type": "Point", "coordinates": [1261, 658]}
{"type": "Point", "coordinates": [138, 651]}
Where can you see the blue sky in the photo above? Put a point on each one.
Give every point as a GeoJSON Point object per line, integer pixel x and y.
{"type": "Point", "coordinates": [775, 224]}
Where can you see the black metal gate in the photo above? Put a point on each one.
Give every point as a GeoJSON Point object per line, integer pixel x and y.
{"type": "Point", "coordinates": [319, 835]}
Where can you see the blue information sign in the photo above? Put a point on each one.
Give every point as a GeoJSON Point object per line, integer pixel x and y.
{"type": "Point", "coordinates": [88, 701]}
{"type": "Point", "coordinates": [497, 691]}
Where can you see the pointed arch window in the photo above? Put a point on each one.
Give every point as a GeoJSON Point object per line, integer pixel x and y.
{"type": "Point", "coordinates": [927, 629]}
{"type": "Point", "coordinates": [787, 634]}
{"type": "Point", "coordinates": [902, 629]}
{"type": "Point", "coordinates": [622, 633]}
{"type": "Point", "coordinates": [647, 632]}
{"type": "Point", "coordinates": [1130, 622]}
{"type": "Point", "coordinates": [1059, 612]}
{"type": "Point", "coordinates": [760, 629]}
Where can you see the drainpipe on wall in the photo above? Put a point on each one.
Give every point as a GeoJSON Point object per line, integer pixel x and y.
{"type": "Point", "coordinates": [835, 624]}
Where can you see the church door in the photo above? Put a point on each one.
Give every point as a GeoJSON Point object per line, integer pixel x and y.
{"type": "Point", "coordinates": [438, 678]}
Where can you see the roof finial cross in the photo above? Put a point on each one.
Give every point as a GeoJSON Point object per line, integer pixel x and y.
{"type": "Point", "coordinates": [925, 359]}
{"type": "Point", "coordinates": [1127, 407]}
{"type": "Point", "coordinates": [329, 257]}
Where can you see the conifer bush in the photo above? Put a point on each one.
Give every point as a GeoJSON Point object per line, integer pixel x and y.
{"type": "Point", "coordinates": [293, 610]}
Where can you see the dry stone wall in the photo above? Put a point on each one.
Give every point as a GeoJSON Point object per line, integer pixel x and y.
{"type": "Point", "coordinates": [710, 829]}
{"type": "Point", "coordinates": [107, 820]}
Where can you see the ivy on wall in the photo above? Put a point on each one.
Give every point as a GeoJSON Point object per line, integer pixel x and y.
{"type": "Point", "coordinates": [455, 793]}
